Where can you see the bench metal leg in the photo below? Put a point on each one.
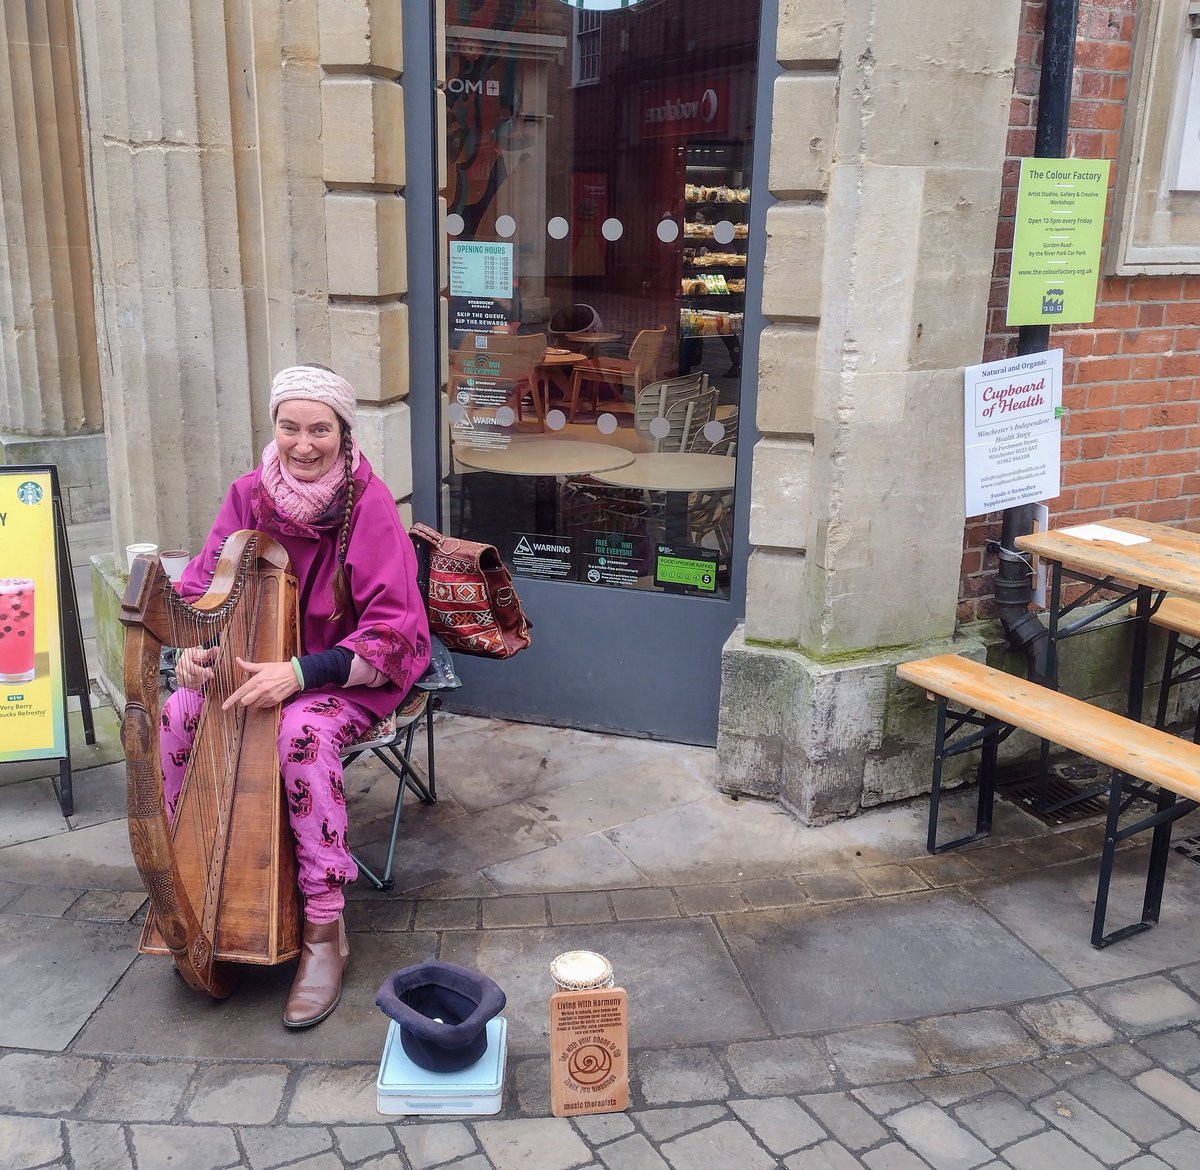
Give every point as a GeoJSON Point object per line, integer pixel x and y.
{"type": "Point", "coordinates": [1168, 809]}
{"type": "Point", "coordinates": [988, 738]}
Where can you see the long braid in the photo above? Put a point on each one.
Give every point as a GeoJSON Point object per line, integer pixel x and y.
{"type": "Point", "coordinates": [341, 586]}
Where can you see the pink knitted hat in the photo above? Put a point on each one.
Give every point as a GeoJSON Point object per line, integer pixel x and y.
{"type": "Point", "coordinates": [315, 384]}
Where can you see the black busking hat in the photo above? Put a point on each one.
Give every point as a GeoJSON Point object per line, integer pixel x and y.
{"type": "Point", "coordinates": [443, 1011]}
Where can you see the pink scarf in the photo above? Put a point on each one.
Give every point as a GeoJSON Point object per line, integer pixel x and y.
{"type": "Point", "coordinates": [303, 501]}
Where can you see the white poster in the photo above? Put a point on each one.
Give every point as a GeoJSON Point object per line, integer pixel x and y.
{"type": "Point", "coordinates": [1012, 422]}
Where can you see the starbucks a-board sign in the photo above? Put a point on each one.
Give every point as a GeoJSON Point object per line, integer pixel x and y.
{"type": "Point", "coordinates": [32, 707]}
{"type": "Point", "coordinates": [1056, 241]}
{"type": "Point", "coordinates": [41, 642]}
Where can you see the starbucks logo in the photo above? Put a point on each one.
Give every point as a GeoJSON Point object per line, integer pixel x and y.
{"type": "Point", "coordinates": [30, 492]}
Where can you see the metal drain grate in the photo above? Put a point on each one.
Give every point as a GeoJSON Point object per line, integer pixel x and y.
{"type": "Point", "coordinates": [1066, 782]}
{"type": "Point", "coordinates": [1190, 848]}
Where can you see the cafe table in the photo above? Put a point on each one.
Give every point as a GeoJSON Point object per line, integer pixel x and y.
{"type": "Point", "coordinates": [544, 460]}
{"type": "Point", "coordinates": [1134, 563]}
{"type": "Point", "coordinates": [553, 371]}
{"type": "Point", "coordinates": [677, 473]}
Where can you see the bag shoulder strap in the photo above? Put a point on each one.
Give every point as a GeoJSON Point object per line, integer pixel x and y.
{"type": "Point", "coordinates": [429, 535]}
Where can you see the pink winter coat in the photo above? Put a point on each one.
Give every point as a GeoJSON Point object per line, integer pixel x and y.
{"type": "Point", "coordinates": [386, 623]}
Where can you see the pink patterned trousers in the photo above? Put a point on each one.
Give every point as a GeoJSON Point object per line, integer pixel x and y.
{"type": "Point", "coordinates": [313, 728]}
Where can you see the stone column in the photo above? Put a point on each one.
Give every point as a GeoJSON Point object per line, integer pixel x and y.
{"type": "Point", "coordinates": [50, 404]}
{"type": "Point", "coordinates": [161, 100]}
{"type": "Point", "coordinates": [878, 270]}
{"type": "Point", "coordinates": [362, 132]}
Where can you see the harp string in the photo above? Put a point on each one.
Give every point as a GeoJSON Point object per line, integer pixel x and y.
{"type": "Point", "coordinates": [212, 768]}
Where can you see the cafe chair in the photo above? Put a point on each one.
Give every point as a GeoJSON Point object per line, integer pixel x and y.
{"type": "Point", "coordinates": [685, 404]}
{"type": "Point", "coordinates": [390, 741]}
{"type": "Point", "coordinates": [710, 514]}
{"type": "Point", "coordinates": [578, 318]}
{"type": "Point", "coordinates": [635, 371]}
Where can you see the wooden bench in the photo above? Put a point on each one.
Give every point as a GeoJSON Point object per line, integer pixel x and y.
{"type": "Point", "coordinates": [1147, 763]}
{"type": "Point", "coordinates": [1181, 619]}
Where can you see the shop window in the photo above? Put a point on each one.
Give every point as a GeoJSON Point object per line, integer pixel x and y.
{"type": "Point", "coordinates": [598, 220]}
{"type": "Point", "coordinates": [1156, 215]}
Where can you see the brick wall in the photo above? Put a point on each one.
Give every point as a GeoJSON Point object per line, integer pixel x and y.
{"type": "Point", "coordinates": [1131, 379]}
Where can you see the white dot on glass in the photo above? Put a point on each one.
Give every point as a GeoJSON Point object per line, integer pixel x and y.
{"type": "Point", "coordinates": [556, 420]}
{"type": "Point", "coordinates": [723, 232]}
{"type": "Point", "coordinates": [505, 226]}
{"type": "Point", "coordinates": [456, 412]}
{"type": "Point", "coordinates": [611, 229]}
{"type": "Point", "coordinates": [505, 416]}
{"type": "Point", "coordinates": [668, 231]}
{"type": "Point", "coordinates": [557, 228]}
{"type": "Point", "coordinates": [660, 428]}
{"type": "Point", "coordinates": [714, 431]}
{"type": "Point", "coordinates": [606, 424]}
{"type": "Point", "coordinates": [454, 224]}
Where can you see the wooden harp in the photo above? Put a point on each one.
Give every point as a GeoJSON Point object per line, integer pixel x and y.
{"type": "Point", "coordinates": [221, 875]}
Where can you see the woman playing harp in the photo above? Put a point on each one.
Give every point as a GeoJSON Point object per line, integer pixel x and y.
{"type": "Point", "coordinates": [364, 641]}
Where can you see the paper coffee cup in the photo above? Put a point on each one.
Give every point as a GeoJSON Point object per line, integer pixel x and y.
{"type": "Point", "coordinates": [174, 561]}
{"type": "Point", "coordinates": [133, 551]}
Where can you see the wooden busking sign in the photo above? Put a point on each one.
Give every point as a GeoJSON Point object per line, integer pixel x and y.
{"type": "Point", "coordinates": [589, 1051]}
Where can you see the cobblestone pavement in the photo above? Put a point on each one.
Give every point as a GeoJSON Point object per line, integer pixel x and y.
{"type": "Point", "coordinates": [1106, 1079]}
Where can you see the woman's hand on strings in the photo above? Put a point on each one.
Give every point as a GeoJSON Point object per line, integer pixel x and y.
{"type": "Point", "coordinates": [269, 683]}
{"type": "Point", "coordinates": [192, 667]}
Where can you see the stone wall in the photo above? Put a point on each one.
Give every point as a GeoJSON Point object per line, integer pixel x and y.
{"type": "Point", "coordinates": [877, 278]}
{"type": "Point", "coordinates": [1130, 437]}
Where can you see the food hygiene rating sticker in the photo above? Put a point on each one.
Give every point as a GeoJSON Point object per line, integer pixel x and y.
{"type": "Point", "coordinates": [685, 568]}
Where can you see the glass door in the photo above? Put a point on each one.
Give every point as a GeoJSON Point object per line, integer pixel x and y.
{"type": "Point", "coordinates": [597, 227]}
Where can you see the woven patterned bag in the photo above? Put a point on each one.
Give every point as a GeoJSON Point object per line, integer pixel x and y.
{"type": "Point", "coordinates": [472, 605]}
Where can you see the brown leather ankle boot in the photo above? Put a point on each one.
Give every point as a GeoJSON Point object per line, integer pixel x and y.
{"type": "Point", "coordinates": [318, 983]}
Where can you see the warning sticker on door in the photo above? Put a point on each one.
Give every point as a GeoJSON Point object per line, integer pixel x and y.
{"type": "Point", "coordinates": [552, 557]}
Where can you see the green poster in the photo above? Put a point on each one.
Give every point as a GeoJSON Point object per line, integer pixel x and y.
{"type": "Point", "coordinates": [1056, 242]}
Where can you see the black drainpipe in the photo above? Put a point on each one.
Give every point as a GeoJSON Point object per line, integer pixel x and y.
{"type": "Point", "coordinates": [1013, 587]}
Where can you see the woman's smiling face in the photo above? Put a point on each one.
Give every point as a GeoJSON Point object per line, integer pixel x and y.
{"type": "Point", "coordinates": [309, 438]}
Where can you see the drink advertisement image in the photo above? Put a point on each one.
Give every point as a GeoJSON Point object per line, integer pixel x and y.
{"type": "Point", "coordinates": [31, 665]}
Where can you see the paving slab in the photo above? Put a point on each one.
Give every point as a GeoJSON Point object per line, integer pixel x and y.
{"type": "Point", "coordinates": [770, 1067]}
{"type": "Point", "coordinates": [96, 857]}
{"type": "Point", "coordinates": [880, 1052]}
{"type": "Point", "coordinates": [98, 1145]}
{"type": "Point", "coordinates": [623, 794]}
{"type": "Point", "coordinates": [55, 973]}
{"type": "Point", "coordinates": [779, 1123]}
{"type": "Point", "coordinates": [973, 1040]}
{"type": "Point", "coordinates": [30, 1141]}
{"type": "Point", "coordinates": [938, 1138]}
{"type": "Point", "coordinates": [679, 1076]}
{"type": "Point", "coordinates": [1066, 1023]}
{"type": "Point", "coordinates": [154, 1013]}
{"type": "Point", "coordinates": [584, 863]}
{"type": "Point", "coordinates": [29, 811]}
{"type": "Point", "coordinates": [465, 844]}
{"type": "Point", "coordinates": [38, 1083]}
{"type": "Point", "coordinates": [891, 946]}
{"type": "Point", "coordinates": [1146, 1005]}
{"type": "Point", "coordinates": [716, 840]}
{"type": "Point", "coordinates": [133, 1090]}
{"type": "Point", "coordinates": [728, 1143]}
{"type": "Point", "coordinates": [548, 1143]}
{"type": "Point", "coordinates": [683, 987]}
{"type": "Point", "coordinates": [1051, 912]}
{"type": "Point", "coordinates": [426, 1145]}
